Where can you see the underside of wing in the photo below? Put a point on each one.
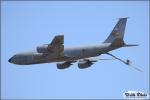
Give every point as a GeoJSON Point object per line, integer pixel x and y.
{"type": "Point", "coordinates": [82, 63]}
{"type": "Point", "coordinates": [87, 62]}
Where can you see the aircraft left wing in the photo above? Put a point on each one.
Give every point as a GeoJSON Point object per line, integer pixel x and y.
{"type": "Point", "coordinates": [56, 45]}
{"type": "Point", "coordinates": [58, 40]}
{"type": "Point", "coordinates": [87, 62]}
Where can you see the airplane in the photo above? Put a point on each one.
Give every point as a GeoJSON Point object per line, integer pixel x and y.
{"type": "Point", "coordinates": [65, 57]}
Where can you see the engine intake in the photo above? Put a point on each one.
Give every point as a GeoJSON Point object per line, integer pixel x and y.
{"type": "Point", "coordinates": [42, 49]}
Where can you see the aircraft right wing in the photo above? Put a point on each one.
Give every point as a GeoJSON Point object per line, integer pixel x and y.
{"type": "Point", "coordinates": [87, 62]}
{"type": "Point", "coordinates": [82, 63]}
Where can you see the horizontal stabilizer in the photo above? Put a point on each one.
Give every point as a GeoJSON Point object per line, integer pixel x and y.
{"type": "Point", "coordinates": [130, 45]}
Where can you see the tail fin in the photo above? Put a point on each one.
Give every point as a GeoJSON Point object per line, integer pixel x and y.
{"type": "Point", "coordinates": [117, 34]}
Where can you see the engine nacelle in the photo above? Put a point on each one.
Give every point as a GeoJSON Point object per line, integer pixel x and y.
{"type": "Point", "coordinates": [42, 49]}
{"type": "Point", "coordinates": [84, 64]}
{"type": "Point", "coordinates": [63, 65]}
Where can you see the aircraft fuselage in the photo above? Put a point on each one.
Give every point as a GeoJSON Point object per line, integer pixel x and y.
{"type": "Point", "coordinates": [69, 54]}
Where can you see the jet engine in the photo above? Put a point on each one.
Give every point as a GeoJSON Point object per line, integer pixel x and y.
{"type": "Point", "coordinates": [42, 49]}
{"type": "Point", "coordinates": [63, 65]}
{"type": "Point", "coordinates": [84, 64]}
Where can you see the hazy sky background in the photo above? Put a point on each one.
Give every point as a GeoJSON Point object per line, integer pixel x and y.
{"type": "Point", "coordinates": [26, 25]}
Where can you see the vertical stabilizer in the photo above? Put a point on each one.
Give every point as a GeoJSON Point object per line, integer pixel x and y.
{"type": "Point", "coordinates": [117, 34]}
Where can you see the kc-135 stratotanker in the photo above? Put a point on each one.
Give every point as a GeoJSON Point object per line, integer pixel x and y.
{"type": "Point", "coordinates": [83, 55]}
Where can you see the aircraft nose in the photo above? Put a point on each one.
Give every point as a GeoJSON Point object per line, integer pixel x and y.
{"type": "Point", "coordinates": [10, 60]}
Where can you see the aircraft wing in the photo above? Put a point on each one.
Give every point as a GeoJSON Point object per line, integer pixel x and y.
{"type": "Point", "coordinates": [56, 45]}
{"type": "Point", "coordinates": [87, 62]}
{"type": "Point", "coordinates": [82, 63]}
{"type": "Point", "coordinates": [94, 59]}
{"type": "Point", "coordinates": [58, 40]}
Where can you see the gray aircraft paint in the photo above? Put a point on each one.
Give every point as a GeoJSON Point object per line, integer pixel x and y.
{"type": "Point", "coordinates": [73, 53]}
{"type": "Point", "coordinates": [57, 52]}
{"type": "Point", "coordinates": [118, 31]}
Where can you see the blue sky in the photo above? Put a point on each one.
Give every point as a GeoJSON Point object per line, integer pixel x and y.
{"type": "Point", "coordinates": [25, 25]}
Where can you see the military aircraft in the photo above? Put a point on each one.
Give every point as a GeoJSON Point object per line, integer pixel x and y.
{"type": "Point", "coordinates": [65, 57]}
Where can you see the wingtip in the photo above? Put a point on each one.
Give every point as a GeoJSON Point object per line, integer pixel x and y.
{"type": "Point", "coordinates": [122, 18]}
